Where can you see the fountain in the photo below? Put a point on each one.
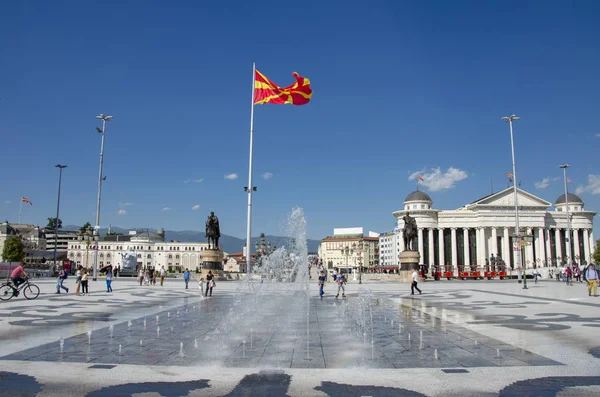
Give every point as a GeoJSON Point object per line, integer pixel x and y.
{"type": "Point", "coordinates": [156, 319]}
{"type": "Point", "coordinates": [181, 350]}
{"type": "Point", "coordinates": [89, 335]}
{"type": "Point", "coordinates": [435, 355]}
{"type": "Point", "coordinates": [62, 344]}
{"type": "Point", "coordinates": [157, 332]}
{"type": "Point", "coordinates": [144, 322]}
{"type": "Point", "coordinates": [111, 329]}
{"type": "Point", "coordinates": [129, 326]}
{"type": "Point", "coordinates": [119, 350]}
{"type": "Point", "coordinates": [244, 349]}
{"type": "Point", "coordinates": [195, 343]}
{"type": "Point", "coordinates": [141, 342]}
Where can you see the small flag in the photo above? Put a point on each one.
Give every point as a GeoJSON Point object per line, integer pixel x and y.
{"type": "Point", "coordinates": [419, 177]}
{"type": "Point", "coordinates": [26, 200]}
{"type": "Point", "coordinates": [510, 175]}
{"type": "Point", "coordinates": [265, 91]}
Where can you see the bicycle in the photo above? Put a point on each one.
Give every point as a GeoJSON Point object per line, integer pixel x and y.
{"type": "Point", "coordinates": [30, 291]}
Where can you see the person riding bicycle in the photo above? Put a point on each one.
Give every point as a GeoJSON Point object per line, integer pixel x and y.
{"type": "Point", "coordinates": [18, 276]}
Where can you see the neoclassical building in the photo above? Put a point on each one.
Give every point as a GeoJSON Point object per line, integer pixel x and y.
{"type": "Point", "coordinates": [149, 249]}
{"type": "Point", "coordinates": [471, 234]}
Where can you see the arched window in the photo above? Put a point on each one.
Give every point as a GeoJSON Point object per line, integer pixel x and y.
{"type": "Point", "coordinates": [149, 256]}
{"type": "Point", "coordinates": [108, 255]}
{"type": "Point", "coordinates": [176, 256]}
{"type": "Point", "coordinates": [79, 254]}
{"type": "Point", "coordinates": [139, 256]}
{"type": "Point", "coordinates": [170, 256]}
{"type": "Point", "coordinates": [101, 255]}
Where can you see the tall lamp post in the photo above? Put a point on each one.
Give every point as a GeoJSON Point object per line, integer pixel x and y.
{"type": "Point", "coordinates": [102, 131]}
{"type": "Point", "coordinates": [510, 120]}
{"type": "Point", "coordinates": [60, 168]}
{"type": "Point", "coordinates": [569, 256]}
{"type": "Point", "coordinates": [362, 248]}
{"type": "Point", "coordinates": [347, 251]}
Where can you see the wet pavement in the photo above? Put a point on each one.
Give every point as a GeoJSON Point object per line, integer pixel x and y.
{"type": "Point", "coordinates": [492, 341]}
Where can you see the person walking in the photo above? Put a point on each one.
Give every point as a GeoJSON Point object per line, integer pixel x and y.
{"type": "Point", "coordinates": [210, 283]}
{"type": "Point", "coordinates": [62, 276]}
{"type": "Point", "coordinates": [109, 278]}
{"type": "Point", "coordinates": [186, 277]}
{"type": "Point", "coordinates": [84, 282]}
{"type": "Point", "coordinates": [163, 273]}
{"type": "Point", "coordinates": [592, 278]}
{"type": "Point", "coordinates": [321, 283]}
{"type": "Point", "coordinates": [141, 275]}
{"type": "Point", "coordinates": [413, 285]}
{"type": "Point", "coordinates": [341, 280]}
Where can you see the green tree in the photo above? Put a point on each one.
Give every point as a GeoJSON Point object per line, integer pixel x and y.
{"type": "Point", "coordinates": [13, 249]}
{"type": "Point", "coordinates": [85, 227]}
{"type": "Point", "coordinates": [596, 256]}
{"type": "Point", "coordinates": [52, 224]}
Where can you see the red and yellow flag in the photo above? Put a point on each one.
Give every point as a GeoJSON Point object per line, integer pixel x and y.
{"type": "Point", "coordinates": [26, 200]}
{"type": "Point", "coordinates": [265, 91]}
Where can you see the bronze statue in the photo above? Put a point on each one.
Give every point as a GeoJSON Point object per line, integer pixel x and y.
{"type": "Point", "coordinates": [409, 233]}
{"type": "Point", "coordinates": [213, 231]}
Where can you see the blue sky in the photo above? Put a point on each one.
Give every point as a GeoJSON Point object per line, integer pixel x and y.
{"type": "Point", "coordinates": [399, 87]}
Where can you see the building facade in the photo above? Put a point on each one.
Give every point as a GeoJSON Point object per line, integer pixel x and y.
{"type": "Point", "coordinates": [32, 237]}
{"type": "Point", "coordinates": [470, 235]}
{"type": "Point", "coordinates": [332, 257]}
{"type": "Point", "coordinates": [149, 250]}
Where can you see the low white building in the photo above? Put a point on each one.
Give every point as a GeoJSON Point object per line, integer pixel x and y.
{"type": "Point", "coordinates": [471, 234]}
{"type": "Point", "coordinates": [331, 255]}
{"type": "Point", "coordinates": [389, 248]}
{"type": "Point", "coordinates": [149, 250]}
{"type": "Point", "coordinates": [32, 236]}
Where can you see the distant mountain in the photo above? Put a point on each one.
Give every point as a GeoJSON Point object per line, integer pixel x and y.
{"type": "Point", "coordinates": [229, 244]}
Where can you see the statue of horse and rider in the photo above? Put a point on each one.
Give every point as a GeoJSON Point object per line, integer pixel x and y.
{"type": "Point", "coordinates": [213, 231]}
{"type": "Point", "coordinates": [409, 233]}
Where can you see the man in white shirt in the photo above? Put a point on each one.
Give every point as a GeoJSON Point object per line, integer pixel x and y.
{"type": "Point", "coordinates": [413, 285]}
{"type": "Point", "coordinates": [163, 273]}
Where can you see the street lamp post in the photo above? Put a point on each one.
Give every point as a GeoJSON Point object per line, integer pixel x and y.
{"type": "Point", "coordinates": [362, 248]}
{"type": "Point", "coordinates": [347, 251]}
{"type": "Point", "coordinates": [60, 168]}
{"type": "Point", "coordinates": [569, 256]}
{"type": "Point", "coordinates": [102, 131]}
{"type": "Point", "coordinates": [510, 120]}
{"type": "Point", "coordinates": [523, 241]}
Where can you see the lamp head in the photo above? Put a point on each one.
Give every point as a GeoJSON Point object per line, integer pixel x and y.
{"type": "Point", "coordinates": [564, 166]}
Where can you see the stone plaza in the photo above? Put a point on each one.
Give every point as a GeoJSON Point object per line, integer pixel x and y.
{"type": "Point", "coordinates": [459, 338]}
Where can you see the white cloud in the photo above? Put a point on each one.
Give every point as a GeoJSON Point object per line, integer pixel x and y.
{"type": "Point", "coordinates": [165, 209]}
{"type": "Point", "coordinates": [597, 134]}
{"type": "Point", "coordinates": [194, 180]}
{"type": "Point", "coordinates": [267, 175]}
{"type": "Point", "coordinates": [544, 183]}
{"type": "Point", "coordinates": [196, 207]}
{"type": "Point", "coordinates": [6, 201]}
{"type": "Point", "coordinates": [231, 177]}
{"type": "Point", "coordinates": [593, 185]}
{"type": "Point", "coordinates": [121, 212]}
{"type": "Point", "coordinates": [127, 204]}
{"type": "Point", "coordinates": [436, 180]}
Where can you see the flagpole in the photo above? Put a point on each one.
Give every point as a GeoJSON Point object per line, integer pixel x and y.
{"type": "Point", "coordinates": [20, 210]}
{"type": "Point", "coordinates": [249, 222]}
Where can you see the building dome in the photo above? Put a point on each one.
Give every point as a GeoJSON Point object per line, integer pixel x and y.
{"type": "Point", "coordinates": [418, 195]}
{"type": "Point", "coordinates": [573, 199]}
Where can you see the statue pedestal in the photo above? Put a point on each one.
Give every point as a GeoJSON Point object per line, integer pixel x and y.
{"type": "Point", "coordinates": [212, 259]}
{"type": "Point", "coordinates": [409, 260]}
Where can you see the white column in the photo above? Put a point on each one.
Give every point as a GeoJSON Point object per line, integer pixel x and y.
{"type": "Point", "coordinates": [558, 247]}
{"type": "Point", "coordinates": [577, 252]}
{"type": "Point", "coordinates": [586, 245]}
{"type": "Point", "coordinates": [592, 244]}
{"type": "Point", "coordinates": [466, 246]}
{"type": "Point", "coordinates": [401, 240]}
{"type": "Point", "coordinates": [529, 250]}
{"type": "Point", "coordinates": [431, 247]}
{"type": "Point", "coordinates": [481, 251]}
{"type": "Point", "coordinates": [506, 248]}
{"type": "Point", "coordinates": [454, 250]}
{"type": "Point", "coordinates": [420, 237]}
{"type": "Point", "coordinates": [441, 246]}
{"type": "Point", "coordinates": [548, 232]}
{"type": "Point", "coordinates": [540, 243]}
{"type": "Point", "coordinates": [494, 242]}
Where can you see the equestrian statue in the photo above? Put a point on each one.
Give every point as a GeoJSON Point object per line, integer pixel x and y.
{"type": "Point", "coordinates": [213, 231]}
{"type": "Point", "coordinates": [409, 233]}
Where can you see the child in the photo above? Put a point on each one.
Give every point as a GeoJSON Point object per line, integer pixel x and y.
{"type": "Point", "coordinates": [201, 286]}
{"type": "Point", "coordinates": [84, 282]}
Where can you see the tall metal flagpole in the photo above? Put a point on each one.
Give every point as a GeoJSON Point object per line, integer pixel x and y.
{"type": "Point", "coordinates": [20, 210]}
{"type": "Point", "coordinates": [249, 224]}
